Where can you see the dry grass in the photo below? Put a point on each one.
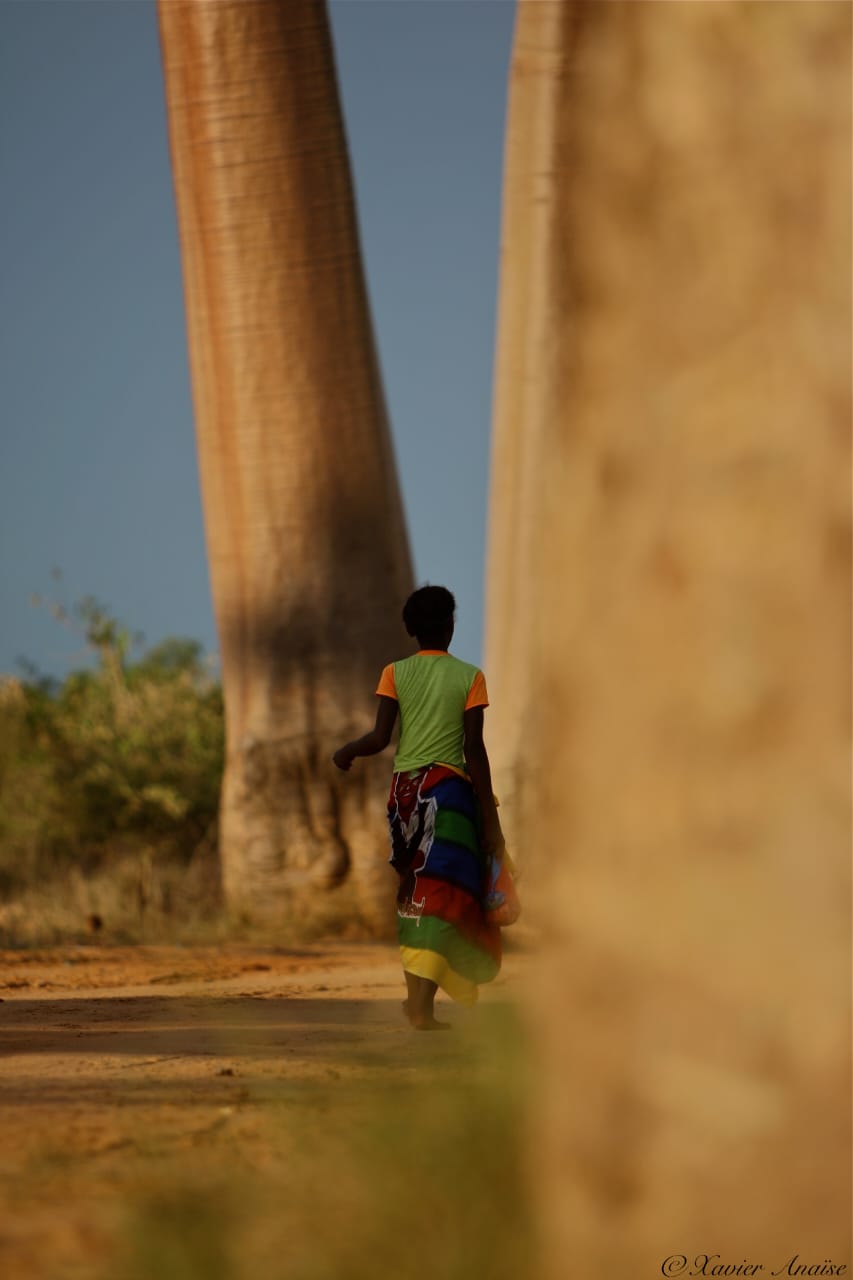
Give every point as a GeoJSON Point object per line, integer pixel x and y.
{"type": "Point", "coordinates": [415, 1181]}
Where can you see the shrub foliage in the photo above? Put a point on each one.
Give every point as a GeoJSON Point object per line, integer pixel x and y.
{"type": "Point", "coordinates": [124, 756]}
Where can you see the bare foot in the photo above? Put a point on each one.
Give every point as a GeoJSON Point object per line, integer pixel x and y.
{"type": "Point", "coordinates": [418, 1008]}
{"type": "Point", "coordinates": [428, 1023]}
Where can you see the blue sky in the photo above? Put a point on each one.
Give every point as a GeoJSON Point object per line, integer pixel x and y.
{"type": "Point", "coordinates": [98, 474]}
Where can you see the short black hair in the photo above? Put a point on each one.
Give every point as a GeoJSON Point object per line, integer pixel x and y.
{"type": "Point", "coordinates": [428, 611]}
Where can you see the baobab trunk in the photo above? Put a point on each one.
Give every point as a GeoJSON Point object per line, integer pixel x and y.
{"type": "Point", "coordinates": [529, 341]}
{"type": "Point", "coordinates": [307, 547]}
{"type": "Point", "coordinates": [683, 223]}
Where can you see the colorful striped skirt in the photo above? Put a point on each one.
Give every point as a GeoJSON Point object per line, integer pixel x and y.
{"type": "Point", "coordinates": [435, 849]}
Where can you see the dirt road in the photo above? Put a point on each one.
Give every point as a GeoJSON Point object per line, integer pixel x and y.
{"type": "Point", "coordinates": [192, 1112]}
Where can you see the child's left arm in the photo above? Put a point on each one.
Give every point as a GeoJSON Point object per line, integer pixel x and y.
{"type": "Point", "coordinates": [371, 743]}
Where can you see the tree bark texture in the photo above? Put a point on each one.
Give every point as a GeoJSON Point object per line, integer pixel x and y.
{"type": "Point", "coordinates": [669, 621]}
{"type": "Point", "coordinates": [529, 342]}
{"type": "Point", "coordinates": [307, 546]}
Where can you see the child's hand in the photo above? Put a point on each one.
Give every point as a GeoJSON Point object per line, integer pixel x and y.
{"type": "Point", "coordinates": [343, 759]}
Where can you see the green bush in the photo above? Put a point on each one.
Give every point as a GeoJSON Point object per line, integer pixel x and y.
{"type": "Point", "coordinates": [122, 757]}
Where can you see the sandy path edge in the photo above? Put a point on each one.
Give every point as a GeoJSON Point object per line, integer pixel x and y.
{"type": "Point", "coordinates": [123, 1069]}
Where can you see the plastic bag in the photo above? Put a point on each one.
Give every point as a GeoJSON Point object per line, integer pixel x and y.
{"type": "Point", "coordinates": [502, 906]}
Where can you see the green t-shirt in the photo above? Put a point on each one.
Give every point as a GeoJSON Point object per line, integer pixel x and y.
{"type": "Point", "coordinates": [434, 690]}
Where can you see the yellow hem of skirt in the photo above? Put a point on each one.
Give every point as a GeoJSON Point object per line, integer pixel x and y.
{"type": "Point", "coordinates": [429, 964]}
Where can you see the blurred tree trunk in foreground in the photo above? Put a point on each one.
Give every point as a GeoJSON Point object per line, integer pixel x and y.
{"type": "Point", "coordinates": [306, 540]}
{"type": "Point", "coordinates": [669, 620]}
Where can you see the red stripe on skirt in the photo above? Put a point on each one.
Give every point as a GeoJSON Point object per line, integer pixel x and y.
{"type": "Point", "coordinates": [465, 913]}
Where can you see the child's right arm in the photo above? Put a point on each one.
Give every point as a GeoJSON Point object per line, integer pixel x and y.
{"type": "Point", "coordinates": [479, 771]}
{"type": "Point", "coordinates": [370, 744]}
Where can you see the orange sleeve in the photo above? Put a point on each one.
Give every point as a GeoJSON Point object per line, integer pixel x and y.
{"type": "Point", "coordinates": [477, 695]}
{"type": "Point", "coordinates": [387, 687]}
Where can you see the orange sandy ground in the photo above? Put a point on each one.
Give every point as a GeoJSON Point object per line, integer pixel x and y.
{"type": "Point", "coordinates": [128, 1072]}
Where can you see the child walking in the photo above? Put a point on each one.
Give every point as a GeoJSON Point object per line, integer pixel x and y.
{"type": "Point", "coordinates": [441, 811]}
